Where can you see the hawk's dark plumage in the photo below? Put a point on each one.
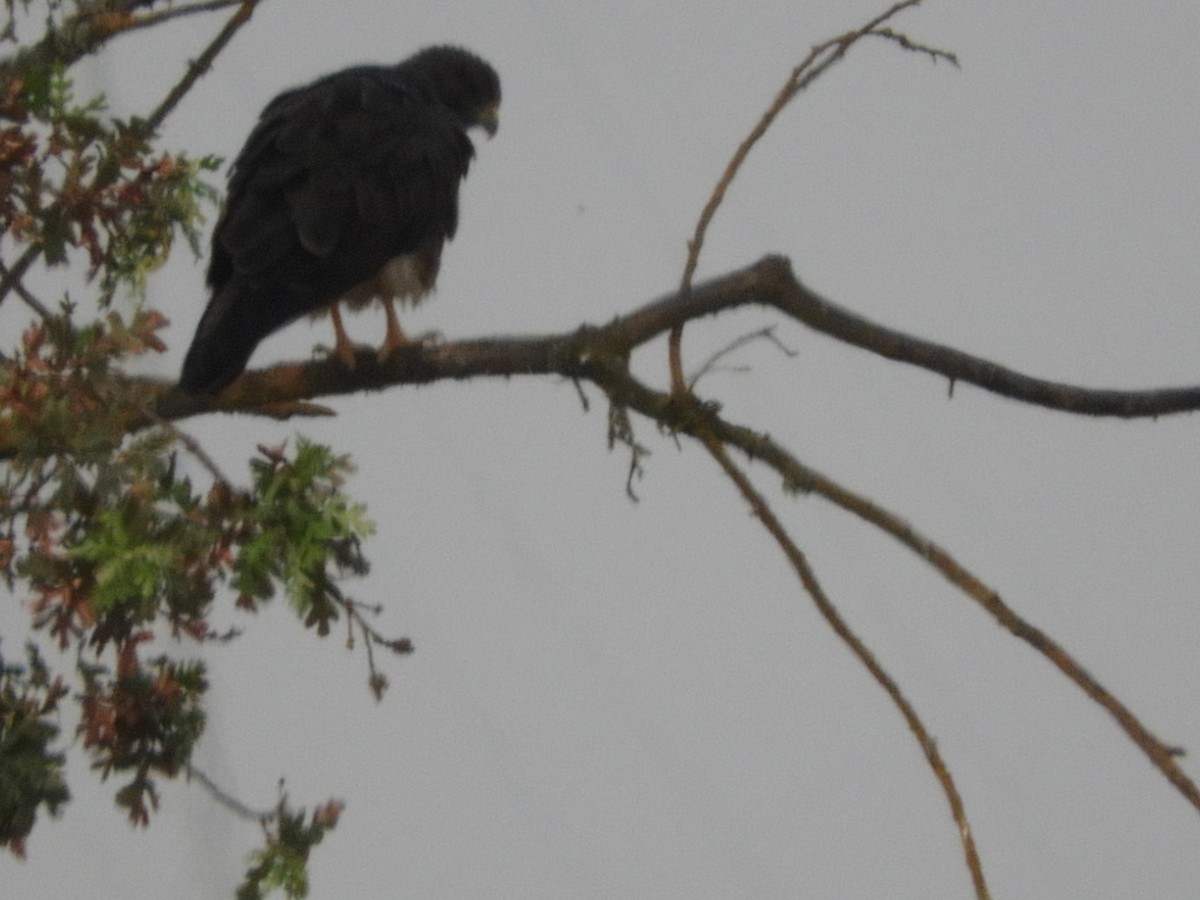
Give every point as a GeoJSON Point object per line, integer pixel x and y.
{"type": "Point", "coordinates": [346, 190]}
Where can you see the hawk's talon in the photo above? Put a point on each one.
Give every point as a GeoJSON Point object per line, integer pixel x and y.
{"type": "Point", "coordinates": [432, 339]}
{"type": "Point", "coordinates": [346, 354]}
{"type": "Point", "coordinates": [384, 352]}
{"type": "Point", "coordinates": [429, 340]}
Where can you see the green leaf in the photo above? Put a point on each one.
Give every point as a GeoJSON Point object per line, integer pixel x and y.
{"type": "Point", "coordinates": [31, 774]}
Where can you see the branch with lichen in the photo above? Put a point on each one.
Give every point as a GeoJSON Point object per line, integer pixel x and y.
{"type": "Point", "coordinates": [292, 388]}
{"type": "Point", "coordinates": [92, 25]}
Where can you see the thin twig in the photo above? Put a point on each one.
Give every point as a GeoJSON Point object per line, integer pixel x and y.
{"type": "Point", "coordinates": [767, 333]}
{"type": "Point", "coordinates": [228, 800]}
{"type": "Point", "coordinates": [190, 444]}
{"type": "Point", "coordinates": [804, 479]}
{"type": "Point", "coordinates": [86, 30]}
{"type": "Point", "coordinates": [10, 279]}
{"type": "Point", "coordinates": [818, 61]}
{"type": "Point", "coordinates": [935, 54]}
{"type": "Point", "coordinates": [840, 627]}
{"type": "Point", "coordinates": [376, 680]}
{"type": "Point", "coordinates": [201, 64]}
{"type": "Point", "coordinates": [17, 286]}
{"type": "Point", "coordinates": [177, 12]}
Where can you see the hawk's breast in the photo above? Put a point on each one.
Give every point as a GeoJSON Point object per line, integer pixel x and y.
{"type": "Point", "coordinates": [407, 278]}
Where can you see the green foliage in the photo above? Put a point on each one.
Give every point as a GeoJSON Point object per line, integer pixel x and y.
{"type": "Point", "coordinates": [282, 864]}
{"type": "Point", "coordinates": [117, 547]}
{"type": "Point", "coordinates": [120, 558]}
{"type": "Point", "coordinates": [115, 541]}
{"type": "Point", "coordinates": [76, 180]}
{"type": "Point", "coordinates": [31, 774]}
{"type": "Point", "coordinates": [302, 524]}
{"type": "Point", "coordinates": [144, 719]}
{"type": "Point", "coordinates": [60, 394]}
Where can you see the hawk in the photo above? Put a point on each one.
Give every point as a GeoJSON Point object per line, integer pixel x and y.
{"type": "Point", "coordinates": [346, 190]}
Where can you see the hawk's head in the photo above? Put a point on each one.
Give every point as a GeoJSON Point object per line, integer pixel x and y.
{"type": "Point", "coordinates": [460, 81]}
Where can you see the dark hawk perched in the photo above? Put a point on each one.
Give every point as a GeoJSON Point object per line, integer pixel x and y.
{"type": "Point", "coordinates": [346, 190]}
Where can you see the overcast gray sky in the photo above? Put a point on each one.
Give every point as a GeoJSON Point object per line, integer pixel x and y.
{"type": "Point", "coordinates": [619, 700]}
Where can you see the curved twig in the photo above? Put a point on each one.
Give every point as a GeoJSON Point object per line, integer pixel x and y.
{"type": "Point", "coordinates": [226, 799]}
{"type": "Point", "coordinates": [766, 333]}
{"type": "Point", "coordinates": [819, 60]}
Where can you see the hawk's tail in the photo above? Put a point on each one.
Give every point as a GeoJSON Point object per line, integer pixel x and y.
{"type": "Point", "coordinates": [224, 341]}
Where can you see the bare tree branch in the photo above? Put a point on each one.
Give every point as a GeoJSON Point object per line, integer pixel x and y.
{"type": "Point", "coordinates": [804, 479]}
{"type": "Point", "coordinates": [91, 26]}
{"type": "Point", "coordinates": [202, 63]}
{"type": "Point", "coordinates": [679, 414]}
{"type": "Point", "coordinates": [230, 802]}
{"type": "Point", "coordinates": [178, 12]}
{"type": "Point", "coordinates": [819, 60]}
{"type": "Point", "coordinates": [286, 388]}
{"type": "Point", "coordinates": [10, 279]}
{"type": "Point", "coordinates": [824, 604]}
{"type": "Point", "coordinates": [710, 365]}
{"type": "Point", "coordinates": [770, 282]}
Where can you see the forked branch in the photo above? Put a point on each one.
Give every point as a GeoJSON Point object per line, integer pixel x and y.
{"type": "Point", "coordinates": [794, 300]}
{"type": "Point", "coordinates": [818, 61]}
{"type": "Point", "coordinates": [841, 628]}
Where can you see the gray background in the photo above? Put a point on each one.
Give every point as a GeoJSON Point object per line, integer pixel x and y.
{"type": "Point", "coordinates": [619, 700]}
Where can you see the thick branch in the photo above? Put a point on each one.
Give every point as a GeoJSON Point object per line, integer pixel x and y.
{"type": "Point", "coordinates": [770, 282]}
{"type": "Point", "coordinates": [284, 389]}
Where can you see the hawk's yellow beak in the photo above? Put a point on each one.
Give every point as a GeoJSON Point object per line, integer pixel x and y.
{"type": "Point", "coordinates": [489, 120]}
